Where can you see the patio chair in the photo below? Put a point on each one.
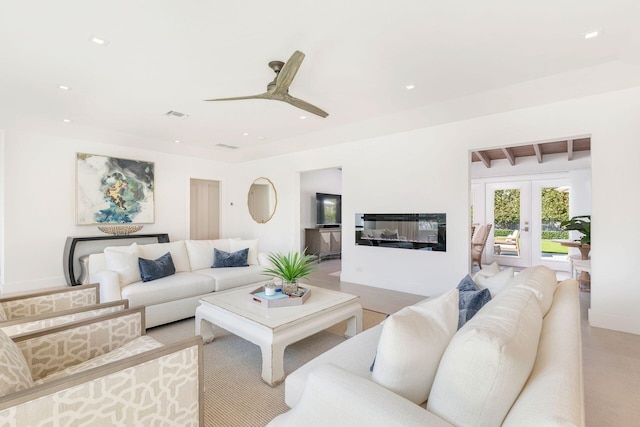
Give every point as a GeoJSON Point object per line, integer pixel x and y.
{"type": "Point", "coordinates": [48, 300]}
{"type": "Point", "coordinates": [478, 242]}
{"type": "Point", "coordinates": [509, 243]}
{"type": "Point", "coordinates": [100, 371]}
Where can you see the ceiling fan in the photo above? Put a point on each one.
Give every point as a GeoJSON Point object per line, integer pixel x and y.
{"type": "Point", "coordinates": [278, 89]}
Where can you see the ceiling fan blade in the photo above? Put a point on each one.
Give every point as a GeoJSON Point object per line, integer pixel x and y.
{"type": "Point", "coordinates": [288, 72]}
{"type": "Point", "coordinates": [303, 105]}
{"type": "Point", "coordinates": [265, 95]}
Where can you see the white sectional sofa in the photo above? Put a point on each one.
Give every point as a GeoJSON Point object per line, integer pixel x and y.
{"type": "Point", "coordinates": [176, 296]}
{"type": "Point", "coordinates": [517, 362]}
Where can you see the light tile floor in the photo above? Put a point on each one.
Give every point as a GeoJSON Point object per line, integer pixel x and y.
{"type": "Point", "coordinates": [611, 360]}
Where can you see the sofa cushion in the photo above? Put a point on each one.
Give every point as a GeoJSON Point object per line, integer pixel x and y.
{"type": "Point", "coordinates": [471, 300]}
{"type": "Point", "coordinates": [170, 288]}
{"type": "Point", "coordinates": [124, 261]}
{"type": "Point", "coordinates": [232, 277]}
{"type": "Point", "coordinates": [488, 361]}
{"type": "Point", "coordinates": [14, 371]}
{"type": "Point", "coordinates": [496, 282]}
{"type": "Point", "coordinates": [541, 281]}
{"type": "Point", "coordinates": [156, 269]}
{"type": "Point", "coordinates": [201, 251]}
{"type": "Point", "coordinates": [137, 346]}
{"type": "Point", "coordinates": [177, 249]}
{"type": "Point", "coordinates": [230, 259]}
{"type": "Point", "coordinates": [411, 345]}
{"type": "Point", "coordinates": [252, 245]}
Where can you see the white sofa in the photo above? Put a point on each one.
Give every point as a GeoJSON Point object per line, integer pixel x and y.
{"type": "Point", "coordinates": [517, 362]}
{"type": "Point", "coordinates": [174, 297]}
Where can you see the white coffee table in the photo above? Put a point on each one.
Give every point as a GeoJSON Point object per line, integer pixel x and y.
{"type": "Point", "coordinates": [273, 329]}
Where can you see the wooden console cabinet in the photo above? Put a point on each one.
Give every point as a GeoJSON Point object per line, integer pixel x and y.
{"type": "Point", "coordinates": [323, 242]}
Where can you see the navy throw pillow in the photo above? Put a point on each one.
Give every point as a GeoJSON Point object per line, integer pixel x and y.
{"type": "Point", "coordinates": [233, 259]}
{"type": "Point", "coordinates": [471, 299]}
{"type": "Point", "coordinates": [156, 269]}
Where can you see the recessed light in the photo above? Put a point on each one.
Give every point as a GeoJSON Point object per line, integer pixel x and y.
{"type": "Point", "coordinates": [592, 34]}
{"type": "Point", "coordinates": [303, 117]}
{"type": "Point", "coordinates": [177, 141]}
{"type": "Point", "coordinates": [261, 138]}
{"type": "Point", "coordinates": [66, 120]}
{"type": "Point", "coordinates": [245, 133]}
{"type": "Point", "coordinates": [63, 87]}
{"type": "Point", "coordinates": [98, 41]}
{"type": "Point", "coordinates": [409, 87]}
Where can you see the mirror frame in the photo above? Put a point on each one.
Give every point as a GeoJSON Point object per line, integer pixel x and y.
{"type": "Point", "coordinates": [275, 194]}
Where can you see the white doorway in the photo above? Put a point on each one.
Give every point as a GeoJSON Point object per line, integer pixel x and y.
{"type": "Point", "coordinates": [204, 202]}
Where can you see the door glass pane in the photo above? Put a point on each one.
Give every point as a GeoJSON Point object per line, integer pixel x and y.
{"type": "Point", "coordinates": [554, 209]}
{"type": "Point", "coordinates": [506, 219]}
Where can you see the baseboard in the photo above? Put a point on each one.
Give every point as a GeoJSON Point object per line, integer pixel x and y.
{"type": "Point", "coordinates": [616, 323]}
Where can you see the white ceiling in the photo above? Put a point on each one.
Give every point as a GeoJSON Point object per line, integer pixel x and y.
{"type": "Point", "coordinates": [465, 58]}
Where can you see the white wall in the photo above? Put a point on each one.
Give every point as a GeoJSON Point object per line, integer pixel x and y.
{"type": "Point", "coordinates": [426, 170]}
{"type": "Point", "coordinates": [39, 201]}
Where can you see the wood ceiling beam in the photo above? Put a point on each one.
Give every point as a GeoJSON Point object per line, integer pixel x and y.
{"type": "Point", "coordinates": [570, 149]}
{"type": "Point", "coordinates": [509, 155]}
{"type": "Point", "coordinates": [538, 150]}
{"type": "Point", "coordinates": [485, 159]}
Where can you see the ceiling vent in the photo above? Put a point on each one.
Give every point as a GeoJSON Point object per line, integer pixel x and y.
{"type": "Point", "coordinates": [177, 115]}
{"type": "Point", "coordinates": [230, 147]}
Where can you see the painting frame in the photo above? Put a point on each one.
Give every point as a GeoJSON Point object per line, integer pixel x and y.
{"type": "Point", "coordinates": [113, 190]}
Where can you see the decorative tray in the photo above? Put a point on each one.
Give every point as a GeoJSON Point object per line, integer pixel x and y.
{"type": "Point", "coordinates": [279, 299]}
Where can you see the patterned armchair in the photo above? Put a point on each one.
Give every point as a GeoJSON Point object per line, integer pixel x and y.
{"type": "Point", "coordinates": [100, 371]}
{"type": "Point", "coordinates": [37, 322]}
{"type": "Point", "coordinates": [47, 301]}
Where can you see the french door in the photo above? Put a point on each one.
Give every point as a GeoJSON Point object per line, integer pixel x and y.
{"type": "Point", "coordinates": [526, 217]}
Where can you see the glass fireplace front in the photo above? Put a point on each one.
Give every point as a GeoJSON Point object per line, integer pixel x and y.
{"type": "Point", "coordinates": [422, 231]}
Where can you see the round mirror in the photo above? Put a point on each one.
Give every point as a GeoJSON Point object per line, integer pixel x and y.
{"type": "Point", "coordinates": [262, 200]}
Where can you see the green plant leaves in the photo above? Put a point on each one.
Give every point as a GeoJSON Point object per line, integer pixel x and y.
{"type": "Point", "coordinates": [582, 224]}
{"type": "Point", "coordinates": [290, 267]}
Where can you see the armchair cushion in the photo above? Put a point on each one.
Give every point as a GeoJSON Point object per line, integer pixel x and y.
{"type": "Point", "coordinates": [156, 269]}
{"type": "Point", "coordinates": [14, 370]}
{"type": "Point", "coordinates": [411, 345]}
{"type": "Point", "coordinates": [3, 315]}
{"type": "Point", "coordinates": [223, 259]}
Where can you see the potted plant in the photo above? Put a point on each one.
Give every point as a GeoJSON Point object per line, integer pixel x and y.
{"type": "Point", "coordinates": [290, 268]}
{"type": "Point", "coordinates": [581, 224]}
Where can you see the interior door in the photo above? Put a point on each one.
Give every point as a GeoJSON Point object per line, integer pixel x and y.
{"type": "Point", "coordinates": [509, 210]}
{"type": "Point", "coordinates": [204, 209]}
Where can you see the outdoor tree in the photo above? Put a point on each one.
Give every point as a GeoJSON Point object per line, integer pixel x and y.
{"type": "Point", "coordinates": [555, 206]}
{"type": "Point", "coordinates": [507, 208]}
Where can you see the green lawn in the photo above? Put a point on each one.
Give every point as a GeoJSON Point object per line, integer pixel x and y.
{"type": "Point", "coordinates": [554, 247]}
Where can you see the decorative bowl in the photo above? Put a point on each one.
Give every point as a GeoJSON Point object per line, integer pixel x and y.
{"type": "Point", "coordinates": [120, 229]}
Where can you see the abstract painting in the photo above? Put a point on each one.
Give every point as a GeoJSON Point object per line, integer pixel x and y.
{"type": "Point", "coordinates": [113, 191]}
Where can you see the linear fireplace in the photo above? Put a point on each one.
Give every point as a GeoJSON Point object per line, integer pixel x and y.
{"type": "Point", "coordinates": [422, 231]}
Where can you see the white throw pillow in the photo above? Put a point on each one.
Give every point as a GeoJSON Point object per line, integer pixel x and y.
{"type": "Point", "coordinates": [494, 283]}
{"type": "Point", "coordinates": [201, 251]}
{"type": "Point", "coordinates": [177, 250]}
{"type": "Point", "coordinates": [488, 271]}
{"type": "Point", "coordinates": [252, 257]}
{"type": "Point", "coordinates": [488, 361]}
{"type": "Point", "coordinates": [14, 370]}
{"type": "Point", "coordinates": [124, 261]}
{"type": "Point", "coordinates": [411, 345]}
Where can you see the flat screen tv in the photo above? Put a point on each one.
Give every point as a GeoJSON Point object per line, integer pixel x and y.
{"type": "Point", "coordinates": [329, 210]}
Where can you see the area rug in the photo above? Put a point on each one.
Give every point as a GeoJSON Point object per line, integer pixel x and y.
{"type": "Point", "coordinates": [234, 393]}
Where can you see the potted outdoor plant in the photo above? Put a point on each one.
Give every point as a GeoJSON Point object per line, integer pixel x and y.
{"type": "Point", "coordinates": [290, 268]}
{"type": "Point", "coordinates": [581, 224]}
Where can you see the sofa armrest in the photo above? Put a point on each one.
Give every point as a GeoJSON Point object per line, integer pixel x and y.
{"type": "Point", "coordinates": [109, 285]}
{"type": "Point", "coordinates": [49, 300]}
{"type": "Point", "coordinates": [334, 396]}
{"type": "Point", "coordinates": [27, 324]}
{"type": "Point", "coordinates": [159, 387]}
{"type": "Point", "coordinates": [53, 349]}
{"type": "Point", "coordinates": [263, 259]}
